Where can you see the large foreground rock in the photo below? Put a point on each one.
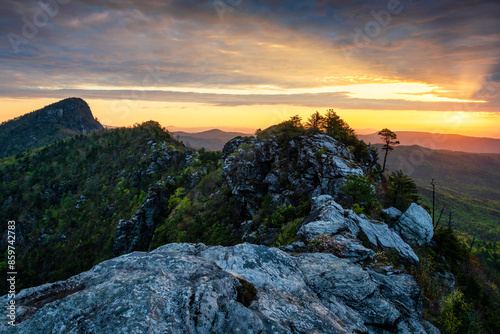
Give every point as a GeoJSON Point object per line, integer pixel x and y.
{"type": "Point", "coordinates": [192, 288]}
{"type": "Point", "coordinates": [415, 225]}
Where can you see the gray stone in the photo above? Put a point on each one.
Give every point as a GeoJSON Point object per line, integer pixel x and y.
{"type": "Point", "coordinates": [381, 236]}
{"type": "Point", "coordinates": [233, 144]}
{"type": "Point", "coordinates": [193, 288]}
{"type": "Point", "coordinates": [354, 250]}
{"type": "Point", "coordinates": [401, 290]}
{"type": "Point", "coordinates": [309, 231]}
{"type": "Point", "coordinates": [340, 282]}
{"type": "Point", "coordinates": [328, 217]}
{"type": "Point", "coordinates": [336, 277]}
{"type": "Point", "coordinates": [296, 247]}
{"type": "Point", "coordinates": [254, 170]}
{"type": "Point", "coordinates": [142, 293]}
{"type": "Point", "coordinates": [392, 212]}
{"type": "Point", "coordinates": [415, 225]}
{"type": "Point", "coordinates": [182, 248]}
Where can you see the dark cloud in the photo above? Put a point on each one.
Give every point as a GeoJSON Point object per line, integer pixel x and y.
{"type": "Point", "coordinates": [287, 44]}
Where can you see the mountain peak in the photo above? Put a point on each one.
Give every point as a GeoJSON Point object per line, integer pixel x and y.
{"type": "Point", "coordinates": [71, 103]}
{"type": "Point", "coordinates": [74, 113]}
{"type": "Point", "coordinates": [41, 127]}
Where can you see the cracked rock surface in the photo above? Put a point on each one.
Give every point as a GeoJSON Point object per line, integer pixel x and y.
{"type": "Point", "coordinates": [328, 217]}
{"type": "Point", "coordinates": [193, 288]}
{"type": "Point", "coordinates": [415, 225]}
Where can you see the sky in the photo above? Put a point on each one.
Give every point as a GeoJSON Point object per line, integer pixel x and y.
{"type": "Point", "coordinates": [241, 64]}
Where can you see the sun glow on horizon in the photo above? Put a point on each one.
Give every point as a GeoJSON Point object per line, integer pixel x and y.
{"type": "Point", "coordinates": [408, 91]}
{"type": "Point", "coordinates": [199, 115]}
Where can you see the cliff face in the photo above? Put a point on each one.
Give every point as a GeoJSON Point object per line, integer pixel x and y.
{"type": "Point", "coordinates": [41, 127]}
{"type": "Point", "coordinates": [72, 113]}
{"type": "Point", "coordinates": [288, 172]}
{"type": "Point", "coordinates": [303, 167]}
{"type": "Point", "coordinates": [193, 288]}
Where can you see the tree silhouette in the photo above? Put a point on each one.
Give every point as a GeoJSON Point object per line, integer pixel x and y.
{"type": "Point", "coordinates": [296, 121]}
{"type": "Point", "coordinates": [336, 127]}
{"type": "Point", "coordinates": [390, 141]}
{"type": "Point", "coordinates": [315, 121]}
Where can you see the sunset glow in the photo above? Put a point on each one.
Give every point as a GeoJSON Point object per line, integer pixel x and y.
{"type": "Point", "coordinates": [255, 65]}
{"type": "Point", "coordinates": [383, 91]}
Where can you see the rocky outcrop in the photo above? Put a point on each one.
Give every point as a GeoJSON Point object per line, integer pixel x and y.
{"type": "Point", "coordinates": [234, 143]}
{"type": "Point", "coordinates": [415, 225]}
{"type": "Point", "coordinates": [304, 166]}
{"type": "Point", "coordinates": [328, 217]}
{"type": "Point", "coordinates": [193, 288]}
{"type": "Point", "coordinates": [137, 232]}
{"type": "Point", "coordinates": [380, 235]}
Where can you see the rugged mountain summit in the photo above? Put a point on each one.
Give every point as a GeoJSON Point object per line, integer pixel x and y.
{"type": "Point", "coordinates": [41, 127]}
{"type": "Point", "coordinates": [304, 166]}
{"type": "Point", "coordinates": [287, 172]}
{"type": "Point", "coordinates": [193, 288]}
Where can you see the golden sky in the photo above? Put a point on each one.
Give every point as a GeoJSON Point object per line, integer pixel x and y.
{"type": "Point", "coordinates": [241, 65]}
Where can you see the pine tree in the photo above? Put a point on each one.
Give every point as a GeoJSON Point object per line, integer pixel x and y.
{"type": "Point", "coordinates": [390, 141]}
{"type": "Point", "coordinates": [315, 121]}
{"type": "Point", "coordinates": [401, 191]}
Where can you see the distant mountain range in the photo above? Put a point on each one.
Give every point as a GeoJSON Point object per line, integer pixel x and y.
{"type": "Point", "coordinates": [214, 140]}
{"type": "Point", "coordinates": [211, 140]}
{"type": "Point", "coordinates": [366, 131]}
{"type": "Point", "coordinates": [36, 129]}
{"type": "Point", "coordinates": [438, 141]}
